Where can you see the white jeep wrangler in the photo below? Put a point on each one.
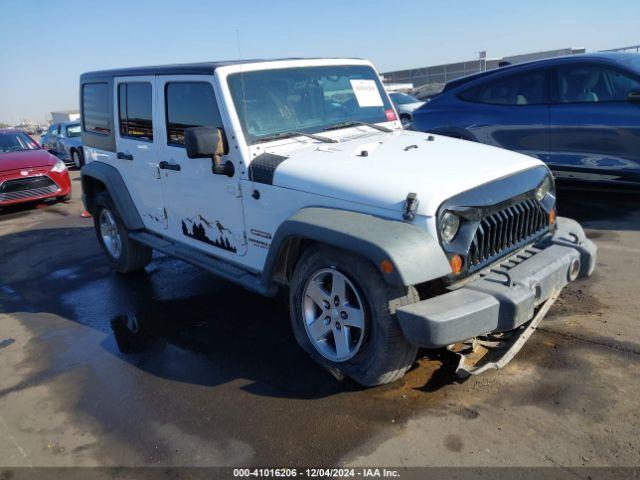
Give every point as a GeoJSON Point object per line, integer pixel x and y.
{"type": "Point", "coordinates": [297, 173]}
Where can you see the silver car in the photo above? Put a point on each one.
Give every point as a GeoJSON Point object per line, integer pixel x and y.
{"type": "Point", "coordinates": [405, 105]}
{"type": "Point", "coordinates": [64, 141]}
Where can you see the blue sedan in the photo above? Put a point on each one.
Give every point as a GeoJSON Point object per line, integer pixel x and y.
{"type": "Point", "coordinates": [579, 114]}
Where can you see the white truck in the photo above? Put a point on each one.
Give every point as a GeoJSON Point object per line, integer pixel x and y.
{"type": "Point", "coordinates": [297, 173]}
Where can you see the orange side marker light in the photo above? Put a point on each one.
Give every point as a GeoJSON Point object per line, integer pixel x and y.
{"type": "Point", "coordinates": [386, 266]}
{"type": "Point", "coordinates": [456, 263]}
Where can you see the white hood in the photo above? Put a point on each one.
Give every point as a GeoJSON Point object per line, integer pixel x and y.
{"type": "Point", "coordinates": [395, 164]}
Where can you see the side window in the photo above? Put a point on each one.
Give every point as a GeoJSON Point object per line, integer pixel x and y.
{"type": "Point", "coordinates": [95, 108]}
{"type": "Point", "coordinates": [189, 104]}
{"type": "Point", "coordinates": [135, 110]}
{"type": "Point", "coordinates": [72, 130]}
{"type": "Point", "coordinates": [622, 84]}
{"type": "Point", "coordinates": [520, 89]}
{"type": "Point", "coordinates": [593, 83]}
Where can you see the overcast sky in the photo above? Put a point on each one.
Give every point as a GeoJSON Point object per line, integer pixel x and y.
{"type": "Point", "coordinates": [45, 45]}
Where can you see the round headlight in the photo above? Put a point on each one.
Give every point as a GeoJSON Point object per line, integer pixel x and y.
{"type": "Point", "coordinates": [544, 188]}
{"type": "Point", "coordinates": [449, 224]}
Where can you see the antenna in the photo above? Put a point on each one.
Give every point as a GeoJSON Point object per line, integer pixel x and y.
{"type": "Point", "coordinates": [244, 96]}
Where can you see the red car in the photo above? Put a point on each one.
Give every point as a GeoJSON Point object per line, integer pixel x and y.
{"type": "Point", "coordinates": [28, 172]}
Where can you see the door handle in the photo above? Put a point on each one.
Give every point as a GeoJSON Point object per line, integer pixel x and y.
{"type": "Point", "coordinates": [124, 156]}
{"type": "Point", "coordinates": [164, 165]}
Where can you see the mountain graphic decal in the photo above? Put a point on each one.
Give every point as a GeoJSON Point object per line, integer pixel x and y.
{"type": "Point", "coordinates": [203, 230]}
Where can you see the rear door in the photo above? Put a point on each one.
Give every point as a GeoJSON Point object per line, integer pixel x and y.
{"type": "Point", "coordinates": [204, 209]}
{"type": "Point", "coordinates": [594, 131]}
{"type": "Point", "coordinates": [137, 146]}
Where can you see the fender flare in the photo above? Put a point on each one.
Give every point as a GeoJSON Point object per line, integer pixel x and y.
{"type": "Point", "coordinates": [416, 256]}
{"type": "Point", "coordinates": [112, 180]}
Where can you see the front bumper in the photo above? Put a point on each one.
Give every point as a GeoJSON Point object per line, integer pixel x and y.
{"type": "Point", "coordinates": [506, 295]}
{"type": "Point", "coordinates": [60, 186]}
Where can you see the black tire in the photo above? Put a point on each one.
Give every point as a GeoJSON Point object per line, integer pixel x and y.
{"type": "Point", "coordinates": [134, 256]}
{"type": "Point", "coordinates": [81, 156]}
{"type": "Point", "coordinates": [384, 355]}
{"type": "Point", "coordinates": [77, 153]}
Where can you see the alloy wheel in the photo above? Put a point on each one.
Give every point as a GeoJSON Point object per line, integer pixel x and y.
{"type": "Point", "coordinates": [110, 234]}
{"type": "Point", "coordinates": [334, 315]}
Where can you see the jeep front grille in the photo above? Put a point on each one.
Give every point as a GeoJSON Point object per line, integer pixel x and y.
{"type": "Point", "coordinates": [24, 188]}
{"type": "Point", "coordinates": [501, 232]}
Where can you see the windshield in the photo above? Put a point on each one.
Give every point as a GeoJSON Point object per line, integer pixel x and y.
{"type": "Point", "coordinates": [73, 130]}
{"type": "Point", "coordinates": [402, 98]}
{"type": "Point", "coordinates": [16, 142]}
{"type": "Point", "coordinates": [307, 99]}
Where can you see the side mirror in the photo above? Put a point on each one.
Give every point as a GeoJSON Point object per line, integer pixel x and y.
{"type": "Point", "coordinates": [209, 142]}
{"type": "Point", "coordinates": [634, 96]}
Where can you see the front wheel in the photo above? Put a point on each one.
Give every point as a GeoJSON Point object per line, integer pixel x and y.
{"type": "Point", "coordinates": [343, 315]}
{"type": "Point", "coordinates": [124, 254]}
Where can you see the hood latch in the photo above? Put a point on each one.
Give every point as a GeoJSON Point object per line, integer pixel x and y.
{"type": "Point", "coordinates": [410, 207]}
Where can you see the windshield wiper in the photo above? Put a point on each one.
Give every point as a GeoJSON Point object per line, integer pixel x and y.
{"type": "Point", "coordinates": [277, 136]}
{"type": "Point", "coordinates": [353, 123]}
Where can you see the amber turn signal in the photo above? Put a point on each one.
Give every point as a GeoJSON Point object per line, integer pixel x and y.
{"type": "Point", "coordinates": [386, 266]}
{"type": "Point", "coordinates": [456, 263]}
{"type": "Point", "coordinates": [552, 216]}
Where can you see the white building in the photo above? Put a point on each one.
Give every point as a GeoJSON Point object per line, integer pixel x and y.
{"type": "Point", "coordinates": [65, 116]}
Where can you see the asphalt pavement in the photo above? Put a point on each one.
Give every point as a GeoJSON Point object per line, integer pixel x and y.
{"type": "Point", "coordinates": [213, 375]}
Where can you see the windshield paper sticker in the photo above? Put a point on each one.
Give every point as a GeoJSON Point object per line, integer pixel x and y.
{"type": "Point", "coordinates": [367, 93]}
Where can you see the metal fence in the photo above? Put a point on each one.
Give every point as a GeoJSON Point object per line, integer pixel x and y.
{"type": "Point", "coordinates": [441, 74]}
{"type": "Point", "coordinates": [632, 48]}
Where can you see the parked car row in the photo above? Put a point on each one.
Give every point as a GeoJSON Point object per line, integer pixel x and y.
{"type": "Point", "coordinates": [405, 106]}
{"type": "Point", "coordinates": [579, 114]}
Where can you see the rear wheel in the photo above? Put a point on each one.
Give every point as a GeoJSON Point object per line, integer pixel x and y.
{"type": "Point", "coordinates": [124, 254]}
{"type": "Point", "coordinates": [343, 315]}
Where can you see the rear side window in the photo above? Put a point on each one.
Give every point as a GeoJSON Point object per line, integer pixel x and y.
{"type": "Point", "coordinates": [522, 89]}
{"type": "Point", "coordinates": [189, 104]}
{"type": "Point", "coordinates": [95, 108]}
{"type": "Point", "coordinates": [135, 110]}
